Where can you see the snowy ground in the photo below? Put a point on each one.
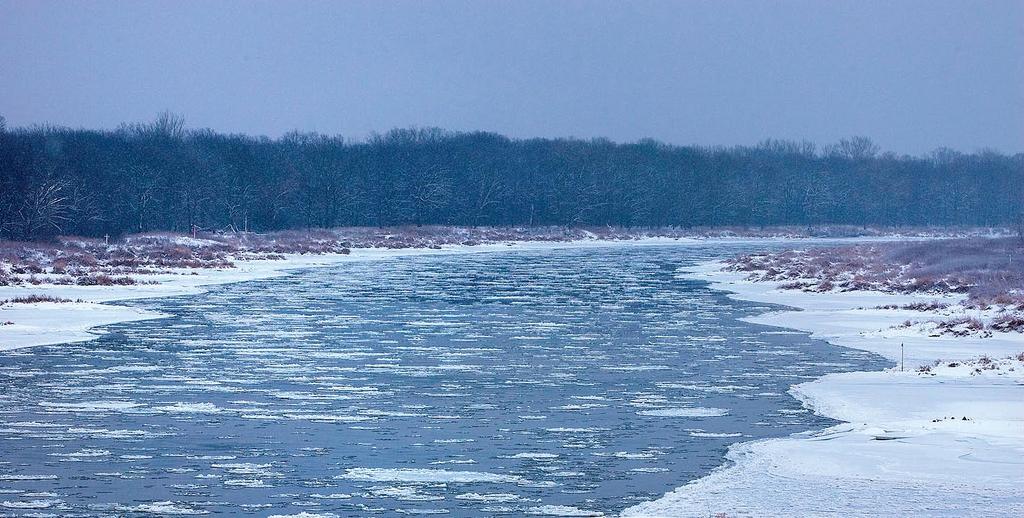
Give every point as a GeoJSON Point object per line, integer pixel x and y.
{"type": "Point", "coordinates": [948, 442]}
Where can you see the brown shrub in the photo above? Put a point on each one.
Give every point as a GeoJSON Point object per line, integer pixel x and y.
{"type": "Point", "coordinates": [105, 280]}
{"type": "Point", "coordinates": [1008, 323]}
{"type": "Point", "coordinates": [962, 326]}
{"type": "Point", "coordinates": [31, 299]}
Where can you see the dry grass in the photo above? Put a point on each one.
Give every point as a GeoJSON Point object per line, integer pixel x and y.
{"type": "Point", "coordinates": [85, 261]}
{"type": "Point", "coordinates": [32, 299]}
{"type": "Point", "coordinates": [990, 270]}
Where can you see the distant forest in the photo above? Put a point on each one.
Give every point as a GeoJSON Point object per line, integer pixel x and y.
{"type": "Point", "coordinates": [163, 176]}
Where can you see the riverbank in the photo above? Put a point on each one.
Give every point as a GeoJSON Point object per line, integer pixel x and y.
{"type": "Point", "coordinates": [946, 440]}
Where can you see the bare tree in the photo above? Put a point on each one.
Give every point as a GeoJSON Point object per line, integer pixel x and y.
{"type": "Point", "coordinates": [46, 209]}
{"type": "Point", "coordinates": [856, 148]}
{"type": "Point", "coordinates": [489, 192]}
{"type": "Point", "coordinates": [140, 193]}
{"type": "Point", "coordinates": [430, 190]}
{"type": "Point", "coordinates": [166, 125]}
{"type": "Point", "coordinates": [169, 124]}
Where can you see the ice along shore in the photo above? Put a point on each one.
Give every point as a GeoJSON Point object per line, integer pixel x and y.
{"type": "Point", "coordinates": [948, 442]}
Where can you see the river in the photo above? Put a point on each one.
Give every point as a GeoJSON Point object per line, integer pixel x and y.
{"type": "Point", "coordinates": [562, 382]}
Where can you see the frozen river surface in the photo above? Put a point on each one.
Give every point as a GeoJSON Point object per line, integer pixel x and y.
{"type": "Point", "coordinates": [544, 382]}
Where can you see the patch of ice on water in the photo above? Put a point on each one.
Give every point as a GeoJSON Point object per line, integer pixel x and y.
{"type": "Point", "coordinates": [33, 424]}
{"type": "Point", "coordinates": [246, 482]}
{"type": "Point", "coordinates": [83, 453]}
{"type": "Point", "coordinates": [685, 412]}
{"type": "Point", "coordinates": [490, 498]}
{"type": "Point", "coordinates": [454, 461]}
{"type": "Point", "coordinates": [40, 494]}
{"type": "Point", "coordinates": [561, 510]}
{"type": "Point", "coordinates": [103, 433]}
{"type": "Point", "coordinates": [406, 494]}
{"type": "Point", "coordinates": [163, 508]}
{"type": "Point", "coordinates": [304, 515]}
{"type": "Point", "coordinates": [636, 368]}
{"type": "Point", "coordinates": [627, 455]}
{"type": "Point", "coordinates": [30, 504]}
{"type": "Point", "coordinates": [17, 478]}
{"type": "Point", "coordinates": [715, 389]}
{"type": "Point", "coordinates": [389, 413]}
{"type": "Point", "coordinates": [499, 509]}
{"type": "Point", "coordinates": [532, 456]}
{"type": "Point", "coordinates": [716, 435]}
{"type": "Point", "coordinates": [190, 408]}
{"type": "Point", "coordinates": [427, 475]}
{"type": "Point", "coordinates": [567, 474]}
{"type": "Point", "coordinates": [581, 406]}
{"type": "Point", "coordinates": [335, 418]}
{"type": "Point", "coordinates": [89, 406]}
{"type": "Point", "coordinates": [247, 469]}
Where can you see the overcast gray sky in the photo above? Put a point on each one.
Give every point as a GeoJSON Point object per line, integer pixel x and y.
{"type": "Point", "coordinates": [913, 75]}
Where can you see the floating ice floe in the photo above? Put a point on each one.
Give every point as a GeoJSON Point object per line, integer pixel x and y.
{"type": "Point", "coordinates": [405, 494]}
{"type": "Point", "coordinates": [561, 510]}
{"type": "Point", "coordinates": [491, 498]}
{"type": "Point", "coordinates": [685, 412]}
{"type": "Point", "coordinates": [304, 515]}
{"type": "Point", "coordinates": [29, 504]}
{"type": "Point", "coordinates": [89, 406]}
{"type": "Point", "coordinates": [533, 456]}
{"type": "Point", "coordinates": [163, 508]}
{"type": "Point", "coordinates": [715, 435]}
{"type": "Point", "coordinates": [19, 478]}
{"type": "Point", "coordinates": [428, 475]}
{"type": "Point", "coordinates": [190, 408]}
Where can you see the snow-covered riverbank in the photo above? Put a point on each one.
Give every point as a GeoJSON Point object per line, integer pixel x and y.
{"type": "Point", "coordinates": [949, 442]}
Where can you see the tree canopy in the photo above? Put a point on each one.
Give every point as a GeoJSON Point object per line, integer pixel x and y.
{"type": "Point", "coordinates": [163, 176]}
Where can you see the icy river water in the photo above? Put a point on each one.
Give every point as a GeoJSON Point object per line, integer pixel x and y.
{"type": "Point", "coordinates": [511, 383]}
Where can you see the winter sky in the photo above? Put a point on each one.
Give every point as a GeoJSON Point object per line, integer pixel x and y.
{"type": "Point", "coordinates": [913, 75]}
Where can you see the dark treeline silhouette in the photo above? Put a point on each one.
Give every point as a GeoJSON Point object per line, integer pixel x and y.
{"type": "Point", "coordinates": [162, 176]}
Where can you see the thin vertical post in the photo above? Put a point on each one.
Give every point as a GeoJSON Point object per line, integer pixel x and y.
{"type": "Point", "coordinates": [901, 357]}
